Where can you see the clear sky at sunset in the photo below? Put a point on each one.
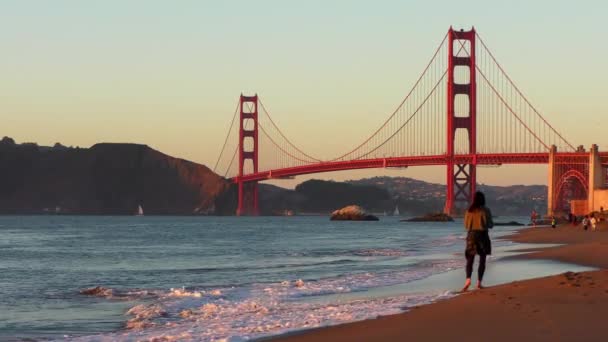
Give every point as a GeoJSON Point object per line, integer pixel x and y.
{"type": "Point", "coordinates": [169, 73]}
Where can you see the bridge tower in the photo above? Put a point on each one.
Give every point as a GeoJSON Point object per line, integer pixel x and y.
{"type": "Point", "coordinates": [461, 178]}
{"type": "Point", "coordinates": [248, 151]}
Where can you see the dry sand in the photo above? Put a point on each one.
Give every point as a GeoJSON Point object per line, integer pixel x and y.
{"type": "Point", "coordinates": [566, 307]}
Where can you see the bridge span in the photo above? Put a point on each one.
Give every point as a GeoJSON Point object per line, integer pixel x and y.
{"type": "Point", "coordinates": [463, 111]}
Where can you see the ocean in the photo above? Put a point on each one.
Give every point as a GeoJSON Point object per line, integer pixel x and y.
{"type": "Point", "coordinates": [224, 278]}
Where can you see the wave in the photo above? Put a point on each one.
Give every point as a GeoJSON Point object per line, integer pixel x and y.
{"type": "Point", "coordinates": [248, 319]}
{"type": "Point", "coordinates": [109, 293]}
{"type": "Point", "coordinates": [263, 309]}
{"type": "Point", "coordinates": [449, 240]}
{"type": "Point", "coordinates": [264, 267]}
{"type": "Point", "coordinates": [381, 252]}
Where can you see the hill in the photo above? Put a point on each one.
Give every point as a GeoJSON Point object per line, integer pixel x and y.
{"type": "Point", "coordinates": [416, 197]}
{"type": "Point", "coordinates": [382, 194]}
{"type": "Point", "coordinates": [103, 179]}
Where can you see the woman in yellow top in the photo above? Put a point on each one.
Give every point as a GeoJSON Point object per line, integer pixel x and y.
{"type": "Point", "coordinates": [477, 221]}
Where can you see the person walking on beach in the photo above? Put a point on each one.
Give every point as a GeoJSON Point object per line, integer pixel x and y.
{"type": "Point", "coordinates": [586, 222]}
{"type": "Point", "coordinates": [533, 218]}
{"type": "Point", "coordinates": [477, 221]}
{"type": "Point", "coordinates": [593, 222]}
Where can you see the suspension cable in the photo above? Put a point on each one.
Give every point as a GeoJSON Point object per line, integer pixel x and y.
{"type": "Point", "coordinates": [410, 118]}
{"type": "Point", "coordinates": [283, 135]}
{"type": "Point", "coordinates": [520, 93]}
{"type": "Point", "coordinates": [402, 102]}
{"type": "Point", "coordinates": [227, 136]}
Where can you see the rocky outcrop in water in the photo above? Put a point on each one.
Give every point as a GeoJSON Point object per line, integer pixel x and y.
{"type": "Point", "coordinates": [435, 217]}
{"type": "Point", "coordinates": [352, 213]}
{"type": "Point", "coordinates": [510, 223]}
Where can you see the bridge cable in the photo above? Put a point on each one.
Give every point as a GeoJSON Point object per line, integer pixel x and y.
{"type": "Point", "coordinates": [401, 104]}
{"type": "Point", "coordinates": [501, 98]}
{"type": "Point", "coordinates": [227, 136]}
{"type": "Point", "coordinates": [409, 119]}
{"type": "Point", "coordinates": [425, 100]}
{"type": "Point", "coordinates": [283, 135]}
{"type": "Point", "coordinates": [521, 94]}
{"type": "Point", "coordinates": [236, 149]}
{"type": "Point", "coordinates": [279, 147]}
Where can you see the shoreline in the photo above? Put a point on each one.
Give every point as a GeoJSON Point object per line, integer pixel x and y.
{"type": "Point", "coordinates": [563, 307]}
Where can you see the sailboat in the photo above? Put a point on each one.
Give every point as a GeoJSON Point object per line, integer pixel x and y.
{"type": "Point", "coordinates": [396, 212]}
{"type": "Point", "coordinates": [140, 211]}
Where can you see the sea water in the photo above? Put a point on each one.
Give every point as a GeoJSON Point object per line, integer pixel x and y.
{"type": "Point", "coordinates": [221, 278]}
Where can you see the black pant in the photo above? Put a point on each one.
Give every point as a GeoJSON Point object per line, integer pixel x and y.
{"type": "Point", "coordinates": [482, 265]}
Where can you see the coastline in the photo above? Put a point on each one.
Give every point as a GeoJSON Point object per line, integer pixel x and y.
{"type": "Point", "coordinates": [563, 307]}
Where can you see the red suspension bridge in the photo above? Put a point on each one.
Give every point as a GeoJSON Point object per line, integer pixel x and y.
{"type": "Point", "coordinates": [463, 111]}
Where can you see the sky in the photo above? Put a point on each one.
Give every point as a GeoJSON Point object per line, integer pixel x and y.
{"type": "Point", "coordinates": [169, 73]}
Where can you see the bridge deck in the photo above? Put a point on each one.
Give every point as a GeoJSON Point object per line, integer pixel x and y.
{"type": "Point", "coordinates": [479, 159]}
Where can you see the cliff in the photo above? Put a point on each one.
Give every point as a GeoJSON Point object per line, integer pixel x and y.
{"type": "Point", "coordinates": [103, 179]}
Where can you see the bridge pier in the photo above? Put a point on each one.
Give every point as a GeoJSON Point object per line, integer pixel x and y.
{"type": "Point", "coordinates": [598, 182]}
{"type": "Point", "coordinates": [248, 131]}
{"type": "Point", "coordinates": [247, 199]}
{"type": "Point", "coordinates": [582, 177]}
{"type": "Point", "coordinates": [551, 181]}
{"type": "Point", "coordinates": [461, 178]}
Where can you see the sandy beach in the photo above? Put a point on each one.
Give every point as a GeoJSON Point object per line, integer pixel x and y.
{"type": "Point", "coordinates": [566, 307]}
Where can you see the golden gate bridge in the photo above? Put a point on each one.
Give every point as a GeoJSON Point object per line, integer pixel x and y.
{"type": "Point", "coordinates": [463, 111]}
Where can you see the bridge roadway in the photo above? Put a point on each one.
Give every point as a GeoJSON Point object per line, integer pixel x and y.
{"type": "Point", "coordinates": [479, 159]}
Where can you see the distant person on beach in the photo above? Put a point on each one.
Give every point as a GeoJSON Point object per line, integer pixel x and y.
{"type": "Point", "coordinates": [477, 221]}
{"type": "Point", "coordinates": [533, 218]}
{"type": "Point", "coordinates": [586, 222]}
{"type": "Point", "coordinates": [593, 222]}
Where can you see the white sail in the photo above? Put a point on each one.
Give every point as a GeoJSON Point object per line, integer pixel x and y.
{"type": "Point", "coordinates": [396, 212]}
{"type": "Point", "coordinates": [140, 211]}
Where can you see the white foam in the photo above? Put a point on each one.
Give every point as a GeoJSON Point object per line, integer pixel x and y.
{"type": "Point", "coordinates": [184, 293]}
{"type": "Point", "coordinates": [381, 252]}
{"type": "Point", "coordinates": [144, 315]}
{"type": "Point", "coordinates": [239, 321]}
{"type": "Point", "coordinates": [243, 313]}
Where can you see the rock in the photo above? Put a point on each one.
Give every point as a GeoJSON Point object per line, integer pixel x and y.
{"type": "Point", "coordinates": [434, 217]}
{"type": "Point", "coordinates": [510, 223]}
{"type": "Point", "coordinates": [97, 291]}
{"type": "Point", "coordinates": [352, 213]}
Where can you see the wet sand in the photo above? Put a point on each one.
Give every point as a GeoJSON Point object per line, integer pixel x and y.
{"type": "Point", "coordinates": [565, 307]}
